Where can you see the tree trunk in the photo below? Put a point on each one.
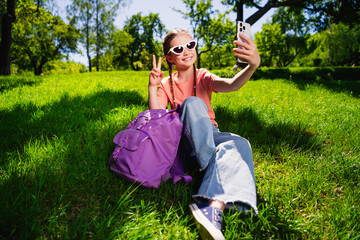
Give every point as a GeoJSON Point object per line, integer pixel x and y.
{"type": "Point", "coordinates": [240, 10]}
{"type": "Point", "coordinates": [88, 46]}
{"type": "Point", "coordinates": [37, 71]}
{"type": "Point", "coordinates": [97, 36]}
{"type": "Point", "coordinates": [5, 46]}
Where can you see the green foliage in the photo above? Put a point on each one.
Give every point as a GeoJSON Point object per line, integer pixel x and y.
{"type": "Point", "coordinates": [56, 135]}
{"type": "Point", "coordinates": [39, 37]}
{"type": "Point", "coordinates": [81, 14]}
{"type": "Point", "coordinates": [318, 14]}
{"type": "Point", "coordinates": [121, 42]}
{"type": "Point", "coordinates": [276, 47]}
{"type": "Point", "coordinates": [144, 30]}
{"type": "Point", "coordinates": [293, 22]}
{"type": "Point", "coordinates": [337, 46]}
{"type": "Point", "coordinates": [61, 67]}
{"type": "Point", "coordinates": [95, 20]}
{"type": "Point", "coordinates": [270, 42]}
{"type": "Point", "coordinates": [213, 31]}
{"type": "Point", "coordinates": [287, 41]}
{"type": "Point", "coordinates": [218, 43]}
{"type": "Point", "coordinates": [219, 57]}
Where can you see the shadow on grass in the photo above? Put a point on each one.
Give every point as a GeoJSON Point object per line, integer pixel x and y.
{"type": "Point", "coordinates": [351, 88]}
{"type": "Point", "coordinates": [8, 83]}
{"type": "Point", "coordinates": [270, 222]}
{"type": "Point", "coordinates": [64, 205]}
{"type": "Point", "coordinates": [59, 118]}
{"type": "Point", "coordinates": [60, 189]}
{"type": "Point", "coordinates": [268, 137]}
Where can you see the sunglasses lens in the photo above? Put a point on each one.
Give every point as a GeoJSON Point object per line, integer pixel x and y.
{"type": "Point", "coordinates": [191, 45]}
{"type": "Point", "coordinates": [178, 49]}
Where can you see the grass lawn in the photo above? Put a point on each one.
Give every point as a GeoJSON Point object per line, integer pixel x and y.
{"type": "Point", "coordinates": [56, 137]}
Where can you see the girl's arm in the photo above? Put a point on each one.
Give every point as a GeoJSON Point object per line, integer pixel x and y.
{"type": "Point", "coordinates": [154, 80]}
{"type": "Point", "coordinates": [250, 54]}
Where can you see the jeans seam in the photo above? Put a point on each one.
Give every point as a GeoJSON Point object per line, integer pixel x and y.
{"type": "Point", "coordinates": [211, 176]}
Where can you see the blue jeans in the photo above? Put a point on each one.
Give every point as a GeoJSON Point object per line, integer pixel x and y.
{"type": "Point", "coordinates": [226, 157]}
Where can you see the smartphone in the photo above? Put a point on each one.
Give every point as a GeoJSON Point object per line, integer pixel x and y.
{"type": "Point", "coordinates": [244, 28]}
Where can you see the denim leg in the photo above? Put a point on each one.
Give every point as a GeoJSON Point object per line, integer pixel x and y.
{"type": "Point", "coordinates": [230, 176]}
{"type": "Point", "coordinates": [198, 129]}
{"type": "Point", "coordinates": [226, 157]}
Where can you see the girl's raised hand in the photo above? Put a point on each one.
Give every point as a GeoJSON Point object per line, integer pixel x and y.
{"type": "Point", "coordinates": [156, 75]}
{"type": "Point", "coordinates": [248, 52]}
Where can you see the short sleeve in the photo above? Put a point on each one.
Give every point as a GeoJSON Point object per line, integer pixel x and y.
{"type": "Point", "coordinates": [207, 79]}
{"type": "Point", "coordinates": [162, 95]}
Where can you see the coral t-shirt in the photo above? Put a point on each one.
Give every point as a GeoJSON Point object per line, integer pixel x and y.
{"type": "Point", "coordinates": [183, 90]}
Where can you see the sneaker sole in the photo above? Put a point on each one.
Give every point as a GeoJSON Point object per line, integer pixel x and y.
{"type": "Point", "coordinates": [206, 225]}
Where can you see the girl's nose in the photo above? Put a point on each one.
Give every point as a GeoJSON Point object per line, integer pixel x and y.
{"type": "Point", "coordinates": [186, 52]}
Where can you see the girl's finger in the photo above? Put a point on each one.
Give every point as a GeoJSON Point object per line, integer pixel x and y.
{"type": "Point", "coordinates": [247, 39]}
{"type": "Point", "coordinates": [159, 63]}
{"type": "Point", "coordinates": [242, 44]}
{"type": "Point", "coordinates": [241, 51]}
{"type": "Point", "coordinates": [154, 61]}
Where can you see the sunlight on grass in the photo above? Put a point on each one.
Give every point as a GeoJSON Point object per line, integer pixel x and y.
{"type": "Point", "coordinates": [56, 133]}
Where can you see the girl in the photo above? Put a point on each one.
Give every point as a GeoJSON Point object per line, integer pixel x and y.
{"type": "Point", "coordinates": [229, 180]}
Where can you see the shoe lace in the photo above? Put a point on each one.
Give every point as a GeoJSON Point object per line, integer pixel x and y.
{"type": "Point", "coordinates": [217, 218]}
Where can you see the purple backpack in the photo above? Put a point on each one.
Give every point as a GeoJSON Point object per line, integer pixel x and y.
{"type": "Point", "coordinates": [146, 152]}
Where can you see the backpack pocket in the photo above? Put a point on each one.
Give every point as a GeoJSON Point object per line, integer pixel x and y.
{"type": "Point", "coordinates": [128, 153]}
{"type": "Point", "coordinates": [130, 139]}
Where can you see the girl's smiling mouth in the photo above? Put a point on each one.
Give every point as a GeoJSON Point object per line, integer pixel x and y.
{"type": "Point", "coordinates": [187, 58]}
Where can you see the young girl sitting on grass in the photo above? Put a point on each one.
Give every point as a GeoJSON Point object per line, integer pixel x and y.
{"type": "Point", "coordinates": [229, 180]}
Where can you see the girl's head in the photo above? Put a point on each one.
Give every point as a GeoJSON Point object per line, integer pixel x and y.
{"type": "Point", "coordinates": [179, 48]}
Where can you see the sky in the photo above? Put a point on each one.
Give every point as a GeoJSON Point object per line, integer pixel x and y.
{"type": "Point", "coordinates": [170, 18]}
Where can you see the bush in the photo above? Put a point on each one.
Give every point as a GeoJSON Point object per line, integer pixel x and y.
{"type": "Point", "coordinates": [61, 67]}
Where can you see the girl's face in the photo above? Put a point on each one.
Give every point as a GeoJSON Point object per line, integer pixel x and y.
{"type": "Point", "coordinates": [187, 58]}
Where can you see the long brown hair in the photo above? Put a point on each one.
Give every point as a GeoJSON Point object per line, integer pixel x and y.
{"type": "Point", "coordinates": [166, 47]}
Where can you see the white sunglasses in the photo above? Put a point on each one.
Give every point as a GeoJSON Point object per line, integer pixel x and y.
{"type": "Point", "coordinates": [178, 50]}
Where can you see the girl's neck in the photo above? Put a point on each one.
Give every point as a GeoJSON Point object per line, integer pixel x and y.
{"type": "Point", "coordinates": [184, 75]}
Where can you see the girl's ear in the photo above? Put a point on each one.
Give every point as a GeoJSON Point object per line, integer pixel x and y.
{"type": "Point", "coordinates": [169, 58]}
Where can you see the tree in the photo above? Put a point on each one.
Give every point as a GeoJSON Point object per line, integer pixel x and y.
{"type": "Point", "coordinates": [321, 13]}
{"type": "Point", "coordinates": [339, 45]}
{"type": "Point", "coordinates": [144, 30]}
{"type": "Point", "coordinates": [81, 15]}
{"type": "Point", "coordinates": [94, 17]}
{"type": "Point", "coordinates": [210, 30]}
{"type": "Point", "coordinates": [280, 42]}
{"type": "Point", "coordinates": [7, 19]}
{"type": "Point", "coordinates": [218, 41]}
{"type": "Point", "coordinates": [120, 48]}
{"type": "Point", "coordinates": [40, 37]}
{"type": "Point", "coordinates": [275, 47]}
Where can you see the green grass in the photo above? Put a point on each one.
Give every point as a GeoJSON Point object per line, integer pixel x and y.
{"type": "Point", "coordinates": [56, 137]}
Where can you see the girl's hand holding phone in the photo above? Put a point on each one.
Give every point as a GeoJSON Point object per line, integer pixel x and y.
{"type": "Point", "coordinates": [156, 75]}
{"type": "Point", "coordinates": [247, 51]}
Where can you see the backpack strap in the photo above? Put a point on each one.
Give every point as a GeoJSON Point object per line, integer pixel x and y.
{"type": "Point", "coordinates": [178, 168]}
